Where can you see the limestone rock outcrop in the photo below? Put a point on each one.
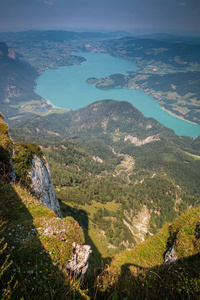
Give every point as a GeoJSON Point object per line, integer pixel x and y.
{"type": "Point", "coordinates": [7, 51]}
{"type": "Point", "coordinates": [11, 53]}
{"type": "Point", "coordinates": [12, 173]}
{"type": "Point", "coordinates": [78, 265]}
{"type": "Point", "coordinates": [170, 257]}
{"type": "Point", "coordinates": [134, 140]}
{"type": "Point", "coordinates": [138, 225]}
{"type": "Point", "coordinates": [42, 185]}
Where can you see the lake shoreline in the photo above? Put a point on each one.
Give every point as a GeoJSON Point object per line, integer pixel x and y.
{"type": "Point", "coordinates": [174, 115]}
{"type": "Point", "coordinates": [67, 86]}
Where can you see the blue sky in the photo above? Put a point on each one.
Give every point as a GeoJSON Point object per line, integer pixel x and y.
{"type": "Point", "coordinates": [178, 15]}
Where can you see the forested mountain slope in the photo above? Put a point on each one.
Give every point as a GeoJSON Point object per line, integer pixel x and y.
{"type": "Point", "coordinates": [108, 119]}
{"type": "Point", "coordinates": [124, 170]}
{"type": "Point", "coordinates": [32, 259]}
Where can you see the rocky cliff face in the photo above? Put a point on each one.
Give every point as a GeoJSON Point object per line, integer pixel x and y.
{"type": "Point", "coordinates": [42, 187]}
{"type": "Point", "coordinates": [41, 184]}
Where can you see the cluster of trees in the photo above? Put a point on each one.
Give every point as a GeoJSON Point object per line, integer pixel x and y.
{"type": "Point", "coordinates": [165, 176]}
{"type": "Point", "coordinates": [162, 174]}
{"type": "Point", "coordinates": [184, 83]}
{"type": "Point", "coordinates": [22, 159]}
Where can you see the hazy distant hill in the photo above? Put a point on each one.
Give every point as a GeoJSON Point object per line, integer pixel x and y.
{"type": "Point", "coordinates": [17, 85]}
{"type": "Point", "coordinates": [60, 35]}
{"type": "Point", "coordinates": [181, 38]}
{"type": "Point", "coordinates": [155, 50]}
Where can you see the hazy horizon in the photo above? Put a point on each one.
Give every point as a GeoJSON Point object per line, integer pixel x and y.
{"type": "Point", "coordinates": [129, 15]}
{"type": "Point", "coordinates": [133, 31]}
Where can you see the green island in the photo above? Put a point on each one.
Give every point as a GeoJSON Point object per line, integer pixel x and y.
{"type": "Point", "coordinates": [91, 80]}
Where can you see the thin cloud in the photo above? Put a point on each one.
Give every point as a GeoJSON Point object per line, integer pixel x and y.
{"type": "Point", "coordinates": [182, 4]}
{"type": "Point", "coordinates": [49, 2]}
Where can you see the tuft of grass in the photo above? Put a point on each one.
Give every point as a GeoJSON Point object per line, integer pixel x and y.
{"type": "Point", "coordinates": [184, 233]}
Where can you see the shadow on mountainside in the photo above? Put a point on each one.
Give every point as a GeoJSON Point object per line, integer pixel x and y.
{"type": "Point", "coordinates": [177, 281]}
{"type": "Point", "coordinates": [81, 217]}
{"type": "Point", "coordinates": [96, 262]}
{"type": "Point", "coordinates": [34, 274]}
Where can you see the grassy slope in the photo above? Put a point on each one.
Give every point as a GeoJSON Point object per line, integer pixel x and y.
{"type": "Point", "coordinates": [35, 244]}
{"type": "Point", "coordinates": [140, 274]}
{"type": "Point", "coordinates": [38, 244]}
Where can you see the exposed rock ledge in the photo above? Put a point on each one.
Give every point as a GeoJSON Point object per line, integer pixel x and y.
{"type": "Point", "coordinates": [11, 53]}
{"type": "Point", "coordinates": [97, 159]}
{"type": "Point", "coordinates": [134, 140]}
{"type": "Point", "coordinates": [78, 265]}
{"type": "Point", "coordinates": [138, 224]}
{"type": "Point", "coordinates": [170, 257]}
{"type": "Point", "coordinates": [42, 186]}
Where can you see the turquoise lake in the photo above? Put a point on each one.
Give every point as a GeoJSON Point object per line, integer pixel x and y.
{"type": "Point", "coordinates": [65, 87]}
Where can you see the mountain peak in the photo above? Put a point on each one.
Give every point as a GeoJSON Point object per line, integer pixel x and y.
{"type": "Point", "coordinates": [7, 51]}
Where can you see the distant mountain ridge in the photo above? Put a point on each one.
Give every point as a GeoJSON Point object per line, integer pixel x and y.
{"type": "Point", "coordinates": [63, 35]}
{"type": "Point", "coordinates": [98, 119]}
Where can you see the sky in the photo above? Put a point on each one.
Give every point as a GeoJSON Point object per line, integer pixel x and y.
{"type": "Point", "coordinates": [158, 15]}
